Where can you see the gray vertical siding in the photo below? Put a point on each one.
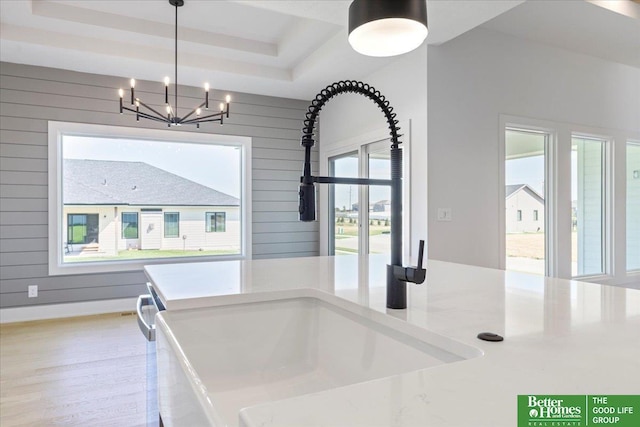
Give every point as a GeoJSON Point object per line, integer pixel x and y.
{"type": "Point", "coordinates": [31, 96]}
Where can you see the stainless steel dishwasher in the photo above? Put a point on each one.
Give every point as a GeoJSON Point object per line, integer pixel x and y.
{"type": "Point", "coordinates": [147, 307]}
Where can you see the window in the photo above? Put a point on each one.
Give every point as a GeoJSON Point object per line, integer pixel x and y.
{"type": "Point", "coordinates": [216, 222]}
{"type": "Point", "coordinates": [587, 180]}
{"type": "Point", "coordinates": [633, 206]}
{"type": "Point", "coordinates": [82, 228]}
{"type": "Point", "coordinates": [519, 215]}
{"type": "Point", "coordinates": [129, 225]}
{"type": "Point", "coordinates": [124, 192]}
{"type": "Point", "coordinates": [171, 224]}
{"type": "Point", "coordinates": [588, 205]}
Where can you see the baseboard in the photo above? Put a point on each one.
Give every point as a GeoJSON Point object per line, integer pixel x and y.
{"type": "Point", "coordinates": [59, 311]}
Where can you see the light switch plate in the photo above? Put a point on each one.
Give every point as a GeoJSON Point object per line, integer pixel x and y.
{"type": "Point", "coordinates": [444, 214]}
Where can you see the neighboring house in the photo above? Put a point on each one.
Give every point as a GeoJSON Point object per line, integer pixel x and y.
{"type": "Point", "coordinates": [111, 206]}
{"type": "Point", "coordinates": [381, 206]}
{"type": "Point", "coordinates": [525, 209]}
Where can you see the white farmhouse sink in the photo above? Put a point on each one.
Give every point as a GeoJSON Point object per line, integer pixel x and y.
{"type": "Point", "coordinates": [215, 361]}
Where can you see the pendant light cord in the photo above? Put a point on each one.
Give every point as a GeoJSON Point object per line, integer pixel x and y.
{"type": "Point", "coordinates": [175, 112]}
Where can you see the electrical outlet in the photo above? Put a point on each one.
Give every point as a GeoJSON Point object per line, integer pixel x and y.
{"type": "Point", "coordinates": [33, 291]}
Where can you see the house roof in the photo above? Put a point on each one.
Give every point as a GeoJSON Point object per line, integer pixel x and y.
{"type": "Point", "coordinates": [102, 182]}
{"type": "Point", "coordinates": [512, 189]}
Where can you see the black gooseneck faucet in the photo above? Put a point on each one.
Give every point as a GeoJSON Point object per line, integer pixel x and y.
{"type": "Point", "coordinates": [397, 275]}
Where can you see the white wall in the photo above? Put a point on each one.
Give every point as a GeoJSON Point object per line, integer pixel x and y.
{"type": "Point", "coordinates": [475, 78]}
{"type": "Point", "coordinates": [404, 84]}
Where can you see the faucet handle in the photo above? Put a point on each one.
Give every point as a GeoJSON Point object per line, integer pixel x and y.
{"type": "Point", "coordinates": [412, 274]}
{"type": "Point", "coordinates": [420, 254]}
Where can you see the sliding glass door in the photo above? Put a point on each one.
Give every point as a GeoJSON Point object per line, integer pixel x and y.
{"type": "Point", "coordinates": [360, 216]}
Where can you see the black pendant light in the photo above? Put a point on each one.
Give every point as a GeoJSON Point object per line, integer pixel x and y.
{"type": "Point", "coordinates": [387, 27]}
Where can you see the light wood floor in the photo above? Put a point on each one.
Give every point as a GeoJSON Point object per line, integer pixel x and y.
{"type": "Point", "coordinates": [85, 371]}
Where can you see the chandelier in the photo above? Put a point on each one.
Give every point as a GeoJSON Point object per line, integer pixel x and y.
{"type": "Point", "coordinates": [170, 117]}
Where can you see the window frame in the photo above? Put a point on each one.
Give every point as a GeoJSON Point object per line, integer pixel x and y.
{"type": "Point", "coordinates": [519, 215]}
{"type": "Point", "coordinates": [164, 220]}
{"type": "Point", "coordinates": [56, 245]}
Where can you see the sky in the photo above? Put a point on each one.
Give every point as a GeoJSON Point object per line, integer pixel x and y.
{"type": "Point", "coordinates": [527, 170]}
{"type": "Point", "coordinates": [530, 170]}
{"type": "Point", "coordinates": [215, 166]}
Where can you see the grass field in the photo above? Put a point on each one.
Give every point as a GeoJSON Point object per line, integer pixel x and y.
{"type": "Point", "coordinates": [531, 245]}
{"type": "Point", "coordinates": [350, 230]}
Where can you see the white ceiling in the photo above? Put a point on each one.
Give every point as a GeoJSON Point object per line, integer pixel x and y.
{"type": "Point", "coordinates": [606, 29]}
{"type": "Point", "coordinates": [289, 48]}
{"type": "Point", "coordinates": [282, 48]}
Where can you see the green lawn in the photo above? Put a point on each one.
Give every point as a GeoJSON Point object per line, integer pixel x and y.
{"type": "Point", "coordinates": [147, 254]}
{"type": "Point", "coordinates": [350, 230]}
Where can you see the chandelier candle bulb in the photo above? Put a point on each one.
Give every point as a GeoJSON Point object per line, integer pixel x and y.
{"type": "Point", "coordinates": [228, 99]}
{"type": "Point", "coordinates": [133, 85]}
{"type": "Point", "coordinates": [206, 96]}
{"type": "Point", "coordinates": [137, 110]}
{"type": "Point", "coordinates": [121, 93]}
{"type": "Point", "coordinates": [166, 90]}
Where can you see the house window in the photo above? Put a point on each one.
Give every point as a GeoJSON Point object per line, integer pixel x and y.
{"type": "Point", "coordinates": [82, 228]}
{"type": "Point", "coordinates": [129, 225]}
{"type": "Point", "coordinates": [171, 224]}
{"type": "Point", "coordinates": [216, 222]}
{"type": "Point", "coordinates": [519, 215]}
{"type": "Point", "coordinates": [124, 190]}
{"type": "Point", "coordinates": [535, 214]}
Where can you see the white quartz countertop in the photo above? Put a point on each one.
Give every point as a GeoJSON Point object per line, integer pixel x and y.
{"type": "Point", "coordinates": [561, 337]}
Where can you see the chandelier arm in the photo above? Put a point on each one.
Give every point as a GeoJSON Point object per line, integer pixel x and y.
{"type": "Point", "coordinates": [146, 115]}
{"type": "Point", "coordinates": [215, 116]}
{"type": "Point", "coordinates": [192, 112]}
{"type": "Point", "coordinates": [151, 117]}
{"type": "Point", "coordinates": [202, 120]}
{"type": "Point", "coordinates": [152, 109]}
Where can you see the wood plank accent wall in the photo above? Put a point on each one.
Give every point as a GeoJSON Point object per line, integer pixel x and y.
{"type": "Point", "coordinates": [31, 96]}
